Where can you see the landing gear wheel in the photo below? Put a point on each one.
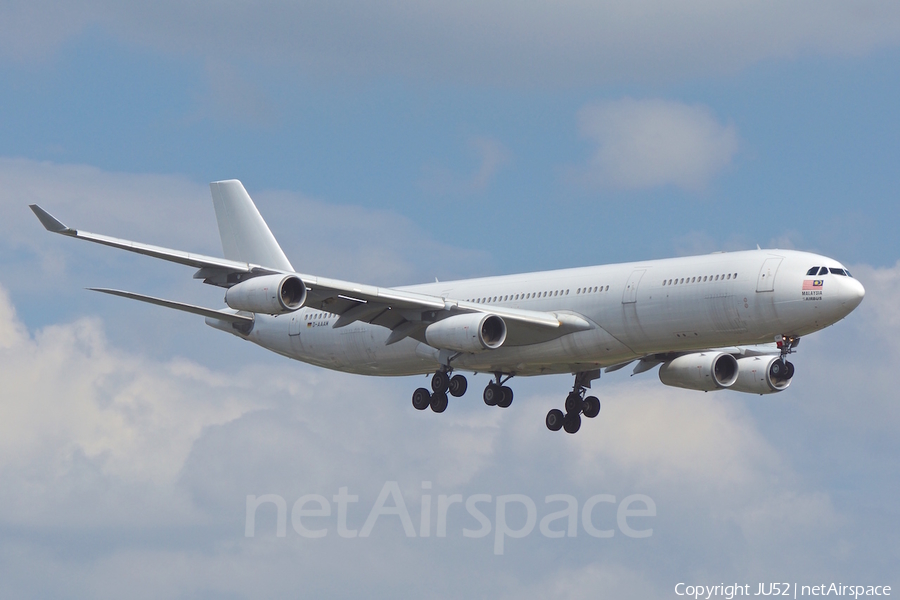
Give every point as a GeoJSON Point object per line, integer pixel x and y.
{"type": "Point", "coordinates": [440, 382]}
{"type": "Point", "coordinates": [421, 399]}
{"type": "Point", "coordinates": [458, 386]}
{"type": "Point", "coordinates": [439, 402]}
{"type": "Point", "coordinates": [555, 419]}
{"type": "Point", "coordinates": [573, 403]}
{"type": "Point", "coordinates": [591, 407]}
{"type": "Point", "coordinates": [506, 397]}
{"type": "Point", "coordinates": [788, 370]}
{"type": "Point", "coordinates": [492, 394]}
{"type": "Point", "coordinates": [572, 422]}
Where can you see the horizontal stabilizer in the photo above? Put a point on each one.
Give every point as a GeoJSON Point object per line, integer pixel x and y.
{"type": "Point", "coordinates": [197, 310]}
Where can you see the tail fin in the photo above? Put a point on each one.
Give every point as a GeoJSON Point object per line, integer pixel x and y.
{"type": "Point", "coordinates": [245, 235]}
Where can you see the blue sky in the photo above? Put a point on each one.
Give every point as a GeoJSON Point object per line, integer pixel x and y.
{"type": "Point", "coordinates": [397, 143]}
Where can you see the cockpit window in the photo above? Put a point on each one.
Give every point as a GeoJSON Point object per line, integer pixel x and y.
{"type": "Point", "coordinates": [848, 273]}
{"type": "Point", "coordinates": [813, 271]}
{"type": "Point", "coordinates": [837, 271]}
{"type": "Point", "coordinates": [823, 271]}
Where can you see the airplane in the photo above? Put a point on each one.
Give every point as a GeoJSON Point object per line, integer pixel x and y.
{"type": "Point", "coordinates": [722, 321]}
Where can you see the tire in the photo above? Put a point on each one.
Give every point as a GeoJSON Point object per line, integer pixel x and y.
{"type": "Point", "coordinates": [574, 403]}
{"type": "Point", "coordinates": [554, 420]}
{"type": "Point", "coordinates": [506, 397]}
{"type": "Point", "coordinates": [591, 407]}
{"type": "Point", "coordinates": [492, 394]}
{"type": "Point", "coordinates": [572, 422]}
{"type": "Point", "coordinates": [458, 386]}
{"type": "Point", "coordinates": [440, 382]}
{"type": "Point", "coordinates": [439, 402]}
{"type": "Point", "coordinates": [788, 370]}
{"type": "Point", "coordinates": [421, 399]}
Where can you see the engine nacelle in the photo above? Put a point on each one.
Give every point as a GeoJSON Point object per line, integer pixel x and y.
{"type": "Point", "coordinates": [756, 376]}
{"type": "Point", "coordinates": [267, 294]}
{"type": "Point", "coordinates": [705, 371]}
{"type": "Point", "coordinates": [473, 332]}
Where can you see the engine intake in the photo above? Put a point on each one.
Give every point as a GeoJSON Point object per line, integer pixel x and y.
{"type": "Point", "coordinates": [473, 332]}
{"type": "Point", "coordinates": [762, 375]}
{"type": "Point", "coordinates": [704, 371]}
{"type": "Point", "coordinates": [267, 294]}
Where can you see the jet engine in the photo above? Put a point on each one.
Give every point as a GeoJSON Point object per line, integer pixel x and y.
{"type": "Point", "coordinates": [472, 332]}
{"type": "Point", "coordinates": [763, 375]}
{"type": "Point", "coordinates": [267, 294]}
{"type": "Point", "coordinates": [705, 371]}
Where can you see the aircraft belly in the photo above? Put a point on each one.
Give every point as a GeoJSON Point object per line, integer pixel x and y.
{"type": "Point", "coordinates": [592, 348]}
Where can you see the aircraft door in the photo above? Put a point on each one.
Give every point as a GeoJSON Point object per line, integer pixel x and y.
{"type": "Point", "coordinates": [294, 332]}
{"type": "Point", "coordinates": [766, 280]}
{"type": "Point", "coordinates": [295, 326]}
{"type": "Point", "coordinates": [631, 288]}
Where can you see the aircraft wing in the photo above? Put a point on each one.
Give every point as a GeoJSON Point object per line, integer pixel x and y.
{"type": "Point", "coordinates": [221, 315]}
{"type": "Point", "coordinates": [406, 313]}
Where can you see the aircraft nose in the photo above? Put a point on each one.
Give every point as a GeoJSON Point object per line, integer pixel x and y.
{"type": "Point", "coordinates": [853, 293]}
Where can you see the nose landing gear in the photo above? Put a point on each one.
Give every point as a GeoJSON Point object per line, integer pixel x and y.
{"type": "Point", "coordinates": [781, 369]}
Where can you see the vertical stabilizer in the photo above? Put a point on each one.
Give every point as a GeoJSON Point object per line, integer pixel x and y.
{"type": "Point", "coordinates": [245, 235]}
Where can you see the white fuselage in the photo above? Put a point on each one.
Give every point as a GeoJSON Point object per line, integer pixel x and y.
{"type": "Point", "coordinates": [635, 309]}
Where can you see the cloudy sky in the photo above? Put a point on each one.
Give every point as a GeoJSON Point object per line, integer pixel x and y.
{"type": "Point", "coordinates": [396, 142]}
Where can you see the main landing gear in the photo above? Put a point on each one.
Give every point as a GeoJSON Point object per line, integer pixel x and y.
{"type": "Point", "coordinates": [441, 384]}
{"type": "Point", "coordinates": [497, 394]}
{"type": "Point", "coordinates": [576, 405]}
{"type": "Point", "coordinates": [781, 369]}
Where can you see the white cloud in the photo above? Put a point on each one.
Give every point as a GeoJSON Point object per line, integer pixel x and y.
{"type": "Point", "coordinates": [494, 42]}
{"type": "Point", "coordinates": [651, 143]}
{"type": "Point", "coordinates": [491, 155]}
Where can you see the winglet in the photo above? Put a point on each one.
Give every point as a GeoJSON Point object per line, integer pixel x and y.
{"type": "Point", "coordinates": [50, 222]}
